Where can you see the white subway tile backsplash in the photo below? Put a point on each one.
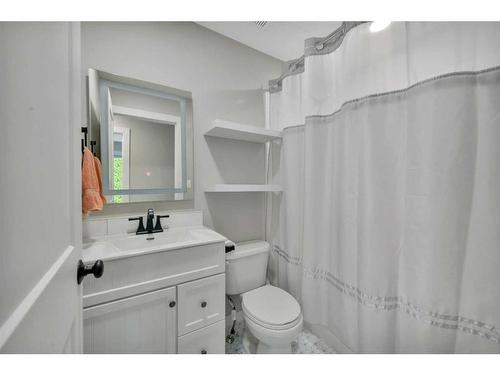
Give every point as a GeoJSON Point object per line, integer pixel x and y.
{"type": "Point", "coordinates": [92, 228]}
{"type": "Point", "coordinates": [182, 219]}
{"type": "Point", "coordinates": [120, 225]}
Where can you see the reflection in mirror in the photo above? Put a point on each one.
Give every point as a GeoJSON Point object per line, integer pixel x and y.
{"type": "Point", "coordinates": [156, 126]}
{"type": "Point", "coordinates": [146, 139]}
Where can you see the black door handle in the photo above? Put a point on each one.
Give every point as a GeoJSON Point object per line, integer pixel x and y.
{"type": "Point", "coordinates": [97, 270]}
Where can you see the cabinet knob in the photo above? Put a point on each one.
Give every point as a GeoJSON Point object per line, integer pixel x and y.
{"type": "Point", "coordinates": [172, 304]}
{"type": "Point", "coordinates": [203, 351]}
{"type": "Point", "coordinates": [97, 269]}
{"type": "Point", "coordinates": [203, 304]}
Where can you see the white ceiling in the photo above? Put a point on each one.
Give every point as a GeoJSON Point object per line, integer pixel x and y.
{"type": "Point", "coordinates": [282, 40]}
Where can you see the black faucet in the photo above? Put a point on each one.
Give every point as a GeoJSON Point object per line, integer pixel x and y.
{"type": "Point", "coordinates": [149, 223]}
{"type": "Point", "coordinates": [140, 228]}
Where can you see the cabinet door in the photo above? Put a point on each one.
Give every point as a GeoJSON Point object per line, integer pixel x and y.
{"type": "Point", "coordinates": [201, 303]}
{"type": "Point", "coordinates": [141, 324]}
{"type": "Point", "coordinates": [208, 340]}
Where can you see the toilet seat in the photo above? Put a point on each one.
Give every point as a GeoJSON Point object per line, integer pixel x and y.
{"type": "Point", "coordinates": [271, 326]}
{"type": "Point", "coordinates": [271, 308]}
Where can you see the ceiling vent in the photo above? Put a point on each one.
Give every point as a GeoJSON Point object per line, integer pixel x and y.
{"type": "Point", "coordinates": [261, 24]}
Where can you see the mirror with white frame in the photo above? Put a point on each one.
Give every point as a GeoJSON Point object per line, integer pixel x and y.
{"type": "Point", "coordinates": [143, 134]}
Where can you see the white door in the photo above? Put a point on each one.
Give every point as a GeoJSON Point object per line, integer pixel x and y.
{"type": "Point", "coordinates": [145, 323]}
{"type": "Point", "coordinates": [40, 198]}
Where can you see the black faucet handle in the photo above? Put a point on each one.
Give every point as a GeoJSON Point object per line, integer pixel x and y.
{"type": "Point", "coordinates": [151, 212]}
{"type": "Point", "coordinates": [140, 228]}
{"type": "Point", "coordinates": [158, 227]}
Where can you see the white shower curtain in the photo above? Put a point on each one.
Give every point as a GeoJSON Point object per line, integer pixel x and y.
{"type": "Point", "coordinates": [388, 229]}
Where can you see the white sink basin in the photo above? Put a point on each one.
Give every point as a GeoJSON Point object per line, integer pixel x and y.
{"type": "Point", "coordinates": [120, 246]}
{"type": "Point", "coordinates": [142, 241]}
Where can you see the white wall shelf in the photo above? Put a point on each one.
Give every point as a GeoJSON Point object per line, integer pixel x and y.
{"type": "Point", "coordinates": [237, 188]}
{"type": "Point", "coordinates": [241, 132]}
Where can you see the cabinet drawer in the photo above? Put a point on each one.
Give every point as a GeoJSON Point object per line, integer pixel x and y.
{"type": "Point", "coordinates": [208, 340]}
{"type": "Point", "coordinates": [201, 303]}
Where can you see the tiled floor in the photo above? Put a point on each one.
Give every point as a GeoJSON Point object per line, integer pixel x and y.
{"type": "Point", "coordinates": [306, 343]}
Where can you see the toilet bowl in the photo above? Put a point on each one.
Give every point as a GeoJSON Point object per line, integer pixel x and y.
{"type": "Point", "coordinates": [273, 317]}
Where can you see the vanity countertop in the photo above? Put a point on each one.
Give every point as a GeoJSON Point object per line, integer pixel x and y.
{"type": "Point", "coordinates": [112, 247]}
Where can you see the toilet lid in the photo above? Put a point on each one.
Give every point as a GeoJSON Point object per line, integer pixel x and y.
{"type": "Point", "coordinates": [271, 305]}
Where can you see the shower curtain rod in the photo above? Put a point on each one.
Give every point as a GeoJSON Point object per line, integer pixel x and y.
{"type": "Point", "coordinates": [337, 33]}
{"type": "Point", "coordinates": [341, 30]}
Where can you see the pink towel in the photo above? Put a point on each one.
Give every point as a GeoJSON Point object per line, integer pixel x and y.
{"type": "Point", "coordinates": [92, 197]}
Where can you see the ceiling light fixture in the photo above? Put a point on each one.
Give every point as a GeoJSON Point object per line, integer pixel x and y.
{"type": "Point", "coordinates": [379, 25]}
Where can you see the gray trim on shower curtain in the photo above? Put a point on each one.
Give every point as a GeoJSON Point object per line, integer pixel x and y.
{"type": "Point", "coordinates": [405, 90]}
{"type": "Point", "coordinates": [401, 303]}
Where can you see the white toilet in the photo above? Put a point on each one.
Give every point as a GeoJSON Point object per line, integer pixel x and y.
{"type": "Point", "coordinates": [273, 317]}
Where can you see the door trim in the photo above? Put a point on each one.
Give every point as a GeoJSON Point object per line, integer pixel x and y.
{"type": "Point", "coordinates": [17, 318]}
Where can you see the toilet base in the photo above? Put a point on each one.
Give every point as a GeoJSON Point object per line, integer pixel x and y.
{"type": "Point", "coordinates": [252, 345]}
{"type": "Point", "coordinates": [274, 349]}
{"type": "Point", "coordinates": [249, 342]}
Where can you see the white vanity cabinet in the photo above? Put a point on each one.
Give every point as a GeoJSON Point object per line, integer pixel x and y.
{"type": "Point", "coordinates": [140, 324]}
{"type": "Point", "coordinates": [162, 302]}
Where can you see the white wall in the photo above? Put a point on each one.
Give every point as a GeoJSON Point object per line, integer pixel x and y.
{"type": "Point", "coordinates": [225, 79]}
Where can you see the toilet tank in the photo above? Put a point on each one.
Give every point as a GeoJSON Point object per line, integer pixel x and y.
{"type": "Point", "coordinates": [246, 266]}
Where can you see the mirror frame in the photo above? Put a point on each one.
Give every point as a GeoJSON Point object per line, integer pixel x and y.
{"type": "Point", "coordinates": [100, 83]}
